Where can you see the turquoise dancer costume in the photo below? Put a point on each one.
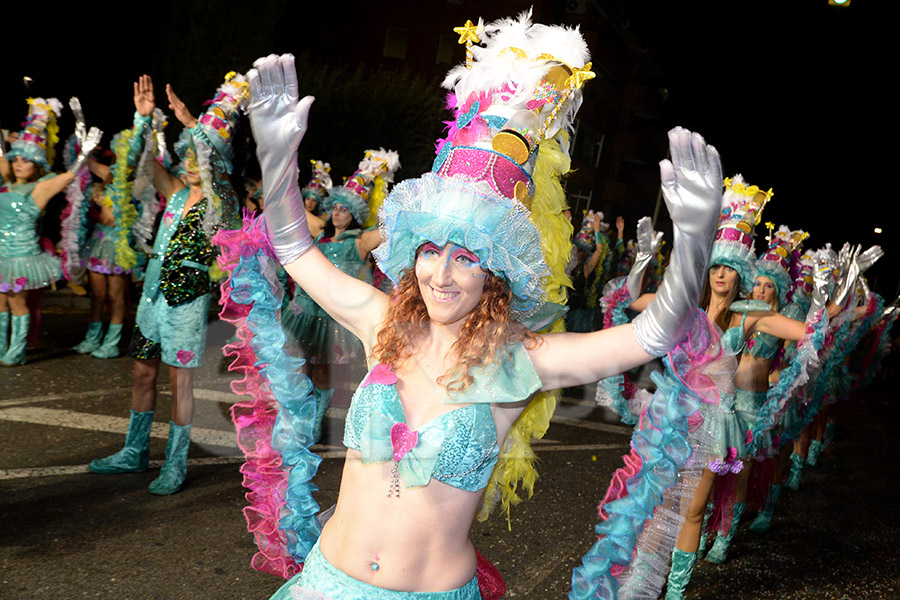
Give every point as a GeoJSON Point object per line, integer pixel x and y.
{"type": "Point", "coordinates": [23, 265]}
{"type": "Point", "coordinates": [320, 338]}
{"type": "Point", "coordinates": [174, 308]}
{"type": "Point", "coordinates": [100, 251]}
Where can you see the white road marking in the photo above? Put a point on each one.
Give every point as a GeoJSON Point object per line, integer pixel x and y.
{"type": "Point", "coordinates": [93, 422]}
{"type": "Point", "coordinates": [66, 396]}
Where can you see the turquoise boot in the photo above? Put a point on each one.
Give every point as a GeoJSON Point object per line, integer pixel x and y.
{"type": "Point", "coordinates": [174, 470]}
{"type": "Point", "coordinates": [135, 456]}
{"type": "Point", "coordinates": [4, 332]}
{"type": "Point", "coordinates": [793, 480]}
{"type": "Point", "coordinates": [812, 457]}
{"type": "Point", "coordinates": [92, 339]}
{"type": "Point", "coordinates": [110, 346]}
{"type": "Point", "coordinates": [763, 520]}
{"type": "Point", "coordinates": [15, 353]}
{"type": "Point", "coordinates": [719, 552]}
{"type": "Point", "coordinates": [680, 574]}
{"type": "Point", "coordinates": [323, 399]}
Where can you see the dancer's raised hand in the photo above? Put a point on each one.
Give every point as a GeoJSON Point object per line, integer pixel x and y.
{"type": "Point", "coordinates": [278, 119]}
{"type": "Point", "coordinates": [144, 100]}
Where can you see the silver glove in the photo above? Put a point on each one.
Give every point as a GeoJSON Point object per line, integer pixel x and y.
{"type": "Point", "coordinates": [821, 283]}
{"type": "Point", "coordinates": [848, 276]}
{"type": "Point", "coordinates": [80, 128]}
{"type": "Point", "coordinates": [869, 257]}
{"type": "Point", "coordinates": [278, 119]}
{"type": "Point", "coordinates": [158, 127]}
{"type": "Point", "coordinates": [647, 245]}
{"type": "Point", "coordinates": [90, 141]}
{"type": "Point", "coordinates": [692, 188]}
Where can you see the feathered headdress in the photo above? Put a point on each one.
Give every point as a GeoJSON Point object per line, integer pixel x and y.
{"type": "Point", "coordinates": [39, 136]}
{"type": "Point", "coordinates": [514, 101]}
{"type": "Point", "coordinates": [354, 194]}
{"type": "Point", "coordinates": [320, 182]}
{"type": "Point", "coordinates": [775, 262]}
{"type": "Point", "coordinates": [742, 207]}
{"type": "Point", "coordinates": [212, 138]}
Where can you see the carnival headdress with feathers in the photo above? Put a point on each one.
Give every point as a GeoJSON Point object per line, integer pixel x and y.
{"type": "Point", "coordinates": [320, 182]}
{"type": "Point", "coordinates": [742, 207]}
{"type": "Point", "coordinates": [515, 97]}
{"type": "Point", "coordinates": [775, 262]}
{"type": "Point", "coordinates": [376, 169]}
{"type": "Point", "coordinates": [40, 134]}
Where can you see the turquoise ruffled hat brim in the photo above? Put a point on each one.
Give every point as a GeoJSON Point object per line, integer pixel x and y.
{"type": "Point", "coordinates": [738, 257]}
{"type": "Point", "coordinates": [349, 199]}
{"type": "Point", "coordinates": [497, 230]}
{"type": "Point", "coordinates": [28, 151]}
{"type": "Point", "coordinates": [779, 277]}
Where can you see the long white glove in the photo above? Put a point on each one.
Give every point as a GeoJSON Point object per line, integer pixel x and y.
{"type": "Point", "coordinates": [278, 119]}
{"type": "Point", "coordinates": [692, 188]}
{"type": "Point", "coordinates": [647, 245]}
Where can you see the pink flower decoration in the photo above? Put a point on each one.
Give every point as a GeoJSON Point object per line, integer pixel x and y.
{"type": "Point", "coordinates": [382, 374]}
{"type": "Point", "coordinates": [403, 440]}
{"type": "Point", "coordinates": [184, 356]}
{"type": "Point", "coordinates": [749, 437]}
{"type": "Point", "coordinates": [732, 454]}
{"type": "Point", "coordinates": [168, 217]}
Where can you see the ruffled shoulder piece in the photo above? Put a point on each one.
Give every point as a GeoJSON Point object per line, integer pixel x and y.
{"type": "Point", "coordinates": [745, 306]}
{"type": "Point", "coordinates": [511, 379]}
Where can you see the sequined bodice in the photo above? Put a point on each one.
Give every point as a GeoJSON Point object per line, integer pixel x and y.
{"type": "Point", "coordinates": [458, 448]}
{"type": "Point", "coordinates": [184, 272]}
{"type": "Point", "coordinates": [18, 214]}
{"type": "Point", "coordinates": [343, 253]}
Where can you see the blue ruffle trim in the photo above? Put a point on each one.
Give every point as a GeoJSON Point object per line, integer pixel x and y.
{"type": "Point", "coordinates": [292, 432]}
{"type": "Point", "coordinates": [662, 443]}
{"type": "Point", "coordinates": [794, 375]}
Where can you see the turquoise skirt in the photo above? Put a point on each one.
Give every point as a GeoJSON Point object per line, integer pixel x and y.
{"type": "Point", "coordinates": [320, 580]}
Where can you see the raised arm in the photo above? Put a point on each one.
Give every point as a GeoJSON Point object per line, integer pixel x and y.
{"type": "Point", "coordinates": [144, 103]}
{"type": "Point", "coordinates": [45, 190]}
{"type": "Point", "coordinates": [368, 241]}
{"type": "Point", "coordinates": [278, 118]}
{"type": "Point", "coordinates": [692, 188]}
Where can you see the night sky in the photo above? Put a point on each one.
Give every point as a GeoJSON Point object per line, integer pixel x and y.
{"type": "Point", "coordinates": [795, 98]}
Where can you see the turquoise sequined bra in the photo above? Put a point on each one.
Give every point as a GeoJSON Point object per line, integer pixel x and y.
{"type": "Point", "coordinates": [459, 447]}
{"type": "Point", "coordinates": [764, 345]}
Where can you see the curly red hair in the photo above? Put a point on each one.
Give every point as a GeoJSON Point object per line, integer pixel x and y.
{"type": "Point", "coordinates": [483, 337]}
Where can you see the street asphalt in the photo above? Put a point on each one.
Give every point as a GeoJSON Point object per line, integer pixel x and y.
{"type": "Point", "coordinates": [68, 533]}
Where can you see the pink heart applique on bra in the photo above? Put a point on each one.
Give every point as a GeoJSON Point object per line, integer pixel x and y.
{"type": "Point", "coordinates": [403, 440]}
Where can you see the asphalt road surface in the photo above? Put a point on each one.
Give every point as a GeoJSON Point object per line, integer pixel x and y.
{"type": "Point", "coordinates": [68, 533]}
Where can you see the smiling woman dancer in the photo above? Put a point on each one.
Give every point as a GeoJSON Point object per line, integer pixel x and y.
{"type": "Point", "coordinates": [453, 363]}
